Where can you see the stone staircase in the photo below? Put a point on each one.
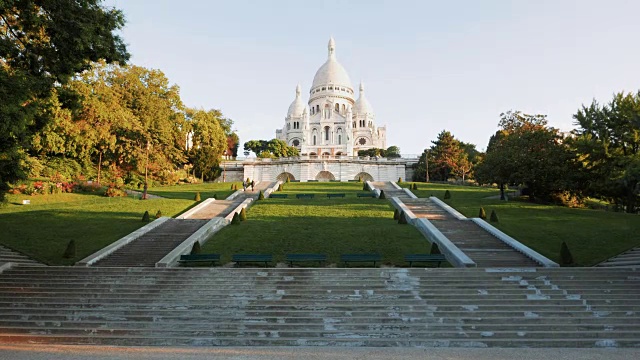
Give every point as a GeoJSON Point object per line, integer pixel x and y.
{"type": "Point", "coordinates": [561, 307]}
{"type": "Point", "coordinates": [222, 208]}
{"type": "Point", "coordinates": [7, 255]}
{"type": "Point", "coordinates": [153, 245]}
{"type": "Point", "coordinates": [483, 248]}
{"type": "Point", "coordinates": [626, 259]}
{"type": "Point", "coordinates": [389, 190]}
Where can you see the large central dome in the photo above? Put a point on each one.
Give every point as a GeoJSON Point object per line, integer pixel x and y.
{"type": "Point", "coordinates": [331, 72]}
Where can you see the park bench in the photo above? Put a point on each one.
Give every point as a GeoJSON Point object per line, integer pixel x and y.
{"type": "Point", "coordinates": [347, 258]}
{"type": "Point", "coordinates": [320, 258]}
{"type": "Point", "coordinates": [353, 180]}
{"type": "Point", "coordinates": [307, 196]}
{"type": "Point", "coordinates": [199, 258]}
{"type": "Point", "coordinates": [312, 180]}
{"type": "Point", "coordinates": [294, 180]}
{"type": "Point", "coordinates": [240, 258]}
{"type": "Point", "coordinates": [334, 180]}
{"type": "Point", "coordinates": [372, 195]}
{"type": "Point", "coordinates": [411, 258]}
{"type": "Point", "coordinates": [335, 195]}
{"type": "Point", "coordinates": [278, 196]}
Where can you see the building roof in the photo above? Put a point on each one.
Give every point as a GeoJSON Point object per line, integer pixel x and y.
{"type": "Point", "coordinates": [331, 72]}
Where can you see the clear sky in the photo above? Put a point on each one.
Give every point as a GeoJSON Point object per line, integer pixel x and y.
{"type": "Point", "coordinates": [427, 65]}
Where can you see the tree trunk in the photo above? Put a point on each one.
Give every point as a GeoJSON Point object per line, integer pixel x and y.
{"type": "Point", "coordinates": [502, 191]}
{"type": "Point", "coordinates": [99, 166]}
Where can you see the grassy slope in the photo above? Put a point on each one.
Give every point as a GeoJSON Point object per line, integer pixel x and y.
{"type": "Point", "coordinates": [43, 229]}
{"type": "Point", "coordinates": [320, 225]}
{"type": "Point", "coordinates": [592, 235]}
{"type": "Point", "coordinates": [188, 191]}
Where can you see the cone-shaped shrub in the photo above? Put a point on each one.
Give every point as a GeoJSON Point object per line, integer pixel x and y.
{"type": "Point", "coordinates": [447, 195]}
{"type": "Point", "coordinates": [70, 251]}
{"type": "Point", "coordinates": [243, 214]}
{"type": "Point", "coordinates": [396, 215]}
{"type": "Point", "coordinates": [288, 180]}
{"type": "Point", "coordinates": [279, 187]}
{"type": "Point", "coordinates": [435, 249]}
{"type": "Point", "coordinates": [359, 178]}
{"type": "Point", "coordinates": [197, 197]}
{"type": "Point", "coordinates": [414, 186]}
{"type": "Point", "coordinates": [233, 186]}
{"type": "Point", "coordinates": [196, 248]}
{"type": "Point", "coordinates": [399, 180]}
{"type": "Point", "coordinates": [365, 187]}
{"type": "Point", "coordinates": [402, 219]}
{"type": "Point", "coordinates": [215, 196]}
{"type": "Point", "coordinates": [236, 219]}
{"type": "Point", "coordinates": [260, 195]}
{"type": "Point", "coordinates": [566, 258]}
{"type": "Point", "coordinates": [382, 195]}
{"type": "Point", "coordinates": [158, 214]}
{"type": "Point", "coordinates": [483, 214]}
{"type": "Point", "coordinates": [145, 217]}
{"type": "Point", "coordinates": [494, 216]}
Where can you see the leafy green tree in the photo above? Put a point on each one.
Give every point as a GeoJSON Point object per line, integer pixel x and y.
{"type": "Point", "coordinates": [209, 142]}
{"type": "Point", "coordinates": [43, 44]}
{"type": "Point", "coordinates": [447, 156]}
{"type": "Point", "coordinates": [273, 148]}
{"type": "Point", "coordinates": [393, 152]}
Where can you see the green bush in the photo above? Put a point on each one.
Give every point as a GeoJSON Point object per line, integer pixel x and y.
{"type": "Point", "coordinates": [288, 180]}
{"type": "Point", "coordinates": [243, 214]}
{"type": "Point", "coordinates": [280, 187]}
{"type": "Point", "coordinates": [566, 259]}
{"type": "Point", "coordinates": [447, 195]}
{"type": "Point", "coordinates": [396, 214]}
{"type": "Point", "coordinates": [215, 196]}
{"type": "Point", "coordinates": [365, 187]}
{"type": "Point", "coordinates": [196, 248]}
{"type": "Point", "coordinates": [382, 195]}
{"type": "Point", "coordinates": [145, 217]}
{"type": "Point", "coordinates": [360, 179]}
{"type": "Point", "coordinates": [399, 180]}
{"type": "Point", "coordinates": [233, 186]}
{"type": "Point", "coordinates": [197, 197]}
{"type": "Point", "coordinates": [260, 195]}
{"type": "Point", "coordinates": [236, 219]}
{"type": "Point", "coordinates": [435, 249]}
{"type": "Point", "coordinates": [403, 218]}
{"type": "Point", "coordinates": [70, 251]}
{"type": "Point", "coordinates": [483, 214]}
{"type": "Point", "coordinates": [113, 191]}
{"type": "Point", "coordinates": [494, 216]}
{"type": "Point", "coordinates": [158, 214]}
{"type": "Point", "coordinates": [414, 186]}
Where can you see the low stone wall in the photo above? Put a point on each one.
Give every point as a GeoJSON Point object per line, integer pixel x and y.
{"type": "Point", "coordinates": [238, 208]}
{"type": "Point", "coordinates": [269, 191]}
{"type": "Point", "coordinates": [201, 235]}
{"type": "Point", "coordinates": [448, 208]}
{"type": "Point", "coordinates": [408, 214]}
{"type": "Point", "coordinates": [91, 259]}
{"type": "Point", "coordinates": [196, 208]}
{"type": "Point", "coordinates": [373, 188]}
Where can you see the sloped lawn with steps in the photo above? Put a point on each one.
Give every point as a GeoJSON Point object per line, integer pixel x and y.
{"type": "Point", "coordinates": [592, 235]}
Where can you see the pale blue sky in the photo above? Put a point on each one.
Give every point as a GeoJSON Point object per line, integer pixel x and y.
{"type": "Point", "coordinates": [427, 65]}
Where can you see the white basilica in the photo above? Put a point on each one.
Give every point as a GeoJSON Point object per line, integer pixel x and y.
{"type": "Point", "coordinates": [333, 122]}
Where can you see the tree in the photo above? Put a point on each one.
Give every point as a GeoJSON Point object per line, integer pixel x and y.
{"type": "Point", "coordinates": [42, 45]}
{"type": "Point", "coordinates": [273, 148]}
{"type": "Point", "coordinates": [607, 142]}
{"type": "Point", "coordinates": [209, 142]}
{"type": "Point", "coordinates": [447, 156]}
{"type": "Point", "coordinates": [393, 152]}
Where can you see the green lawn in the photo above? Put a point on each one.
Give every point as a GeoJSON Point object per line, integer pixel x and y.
{"type": "Point", "coordinates": [188, 191]}
{"type": "Point", "coordinates": [320, 225]}
{"type": "Point", "coordinates": [43, 228]}
{"type": "Point", "coordinates": [592, 235]}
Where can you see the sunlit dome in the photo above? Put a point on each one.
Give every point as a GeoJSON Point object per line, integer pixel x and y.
{"type": "Point", "coordinates": [331, 72]}
{"type": "Point", "coordinates": [362, 105]}
{"type": "Point", "coordinates": [297, 107]}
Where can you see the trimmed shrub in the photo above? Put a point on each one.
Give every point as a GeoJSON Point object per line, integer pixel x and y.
{"type": "Point", "coordinates": [399, 180]}
{"type": "Point", "coordinates": [396, 214]}
{"type": "Point", "coordinates": [435, 249]}
{"type": "Point", "coordinates": [360, 179]}
{"type": "Point", "coordinates": [447, 195]}
{"type": "Point", "coordinates": [196, 248]}
{"type": "Point", "coordinates": [243, 214]}
{"type": "Point", "coordinates": [158, 214]}
{"type": "Point", "coordinates": [414, 186]}
{"type": "Point", "coordinates": [197, 197]}
{"type": "Point", "coordinates": [70, 251]}
{"type": "Point", "coordinates": [215, 196]}
{"type": "Point", "coordinates": [288, 180]}
{"type": "Point", "coordinates": [382, 195]}
{"type": "Point", "coordinates": [566, 259]}
{"type": "Point", "coordinates": [145, 217]}
{"type": "Point", "coordinates": [280, 187]}
{"type": "Point", "coordinates": [365, 187]}
{"type": "Point", "coordinates": [260, 195]}
{"type": "Point", "coordinates": [483, 214]}
{"type": "Point", "coordinates": [236, 219]}
{"type": "Point", "coordinates": [233, 186]}
{"type": "Point", "coordinates": [494, 216]}
{"type": "Point", "coordinates": [402, 219]}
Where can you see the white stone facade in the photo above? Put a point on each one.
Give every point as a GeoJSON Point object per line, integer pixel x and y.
{"type": "Point", "coordinates": [332, 122]}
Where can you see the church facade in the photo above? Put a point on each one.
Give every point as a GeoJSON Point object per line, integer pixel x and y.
{"type": "Point", "coordinates": [332, 122]}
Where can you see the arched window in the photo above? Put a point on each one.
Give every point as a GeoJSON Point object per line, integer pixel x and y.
{"type": "Point", "coordinates": [354, 124]}
{"type": "Point", "coordinates": [326, 133]}
{"type": "Point", "coordinates": [313, 110]}
{"type": "Point", "coordinates": [296, 142]}
{"type": "Point", "coordinates": [314, 139]}
{"type": "Point", "coordinates": [344, 108]}
{"type": "Point", "coordinates": [337, 107]}
{"type": "Point", "coordinates": [317, 108]}
{"type": "Point", "coordinates": [339, 139]}
{"type": "Point", "coordinates": [288, 126]}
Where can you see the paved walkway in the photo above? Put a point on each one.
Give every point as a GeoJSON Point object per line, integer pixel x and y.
{"type": "Point", "coordinates": [222, 208]}
{"type": "Point", "coordinates": [627, 258]}
{"type": "Point", "coordinates": [69, 352]}
{"type": "Point", "coordinates": [8, 255]}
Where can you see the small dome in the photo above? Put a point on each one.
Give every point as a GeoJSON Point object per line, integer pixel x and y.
{"type": "Point", "coordinates": [297, 107]}
{"type": "Point", "coordinates": [362, 105]}
{"type": "Point", "coordinates": [331, 72]}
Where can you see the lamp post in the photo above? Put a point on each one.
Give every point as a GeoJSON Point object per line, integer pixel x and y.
{"type": "Point", "coordinates": [426, 162]}
{"type": "Point", "coordinates": [146, 171]}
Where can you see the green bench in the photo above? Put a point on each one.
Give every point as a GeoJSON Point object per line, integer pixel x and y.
{"type": "Point", "coordinates": [278, 196]}
{"type": "Point", "coordinates": [334, 180]}
{"type": "Point", "coordinates": [291, 258]}
{"type": "Point", "coordinates": [305, 196]}
{"type": "Point", "coordinates": [240, 258]}
{"type": "Point", "coordinates": [312, 180]}
{"type": "Point", "coordinates": [199, 258]}
{"type": "Point", "coordinates": [335, 195]}
{"type": "Point", "coordinates": [426, 258]}
{"type": "Point", "coordinates": [347, 258]}
{"type": "Point", "coordinates": [371, 195]}
{"type": "Point", "coordinates": [353, 180]}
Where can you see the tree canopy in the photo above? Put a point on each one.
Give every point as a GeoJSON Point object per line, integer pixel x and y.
{"type": "Point", "coordinates": [273, 148]}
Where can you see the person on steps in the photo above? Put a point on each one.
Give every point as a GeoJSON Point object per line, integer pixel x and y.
{"type": "Point", "coordinates": [253, 183]}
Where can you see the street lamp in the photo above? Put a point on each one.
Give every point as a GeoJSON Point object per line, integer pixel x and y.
{"type": "Point", "coordinates": [426, 162]}
{"type": "Point", "coordinates": [146, 171]}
